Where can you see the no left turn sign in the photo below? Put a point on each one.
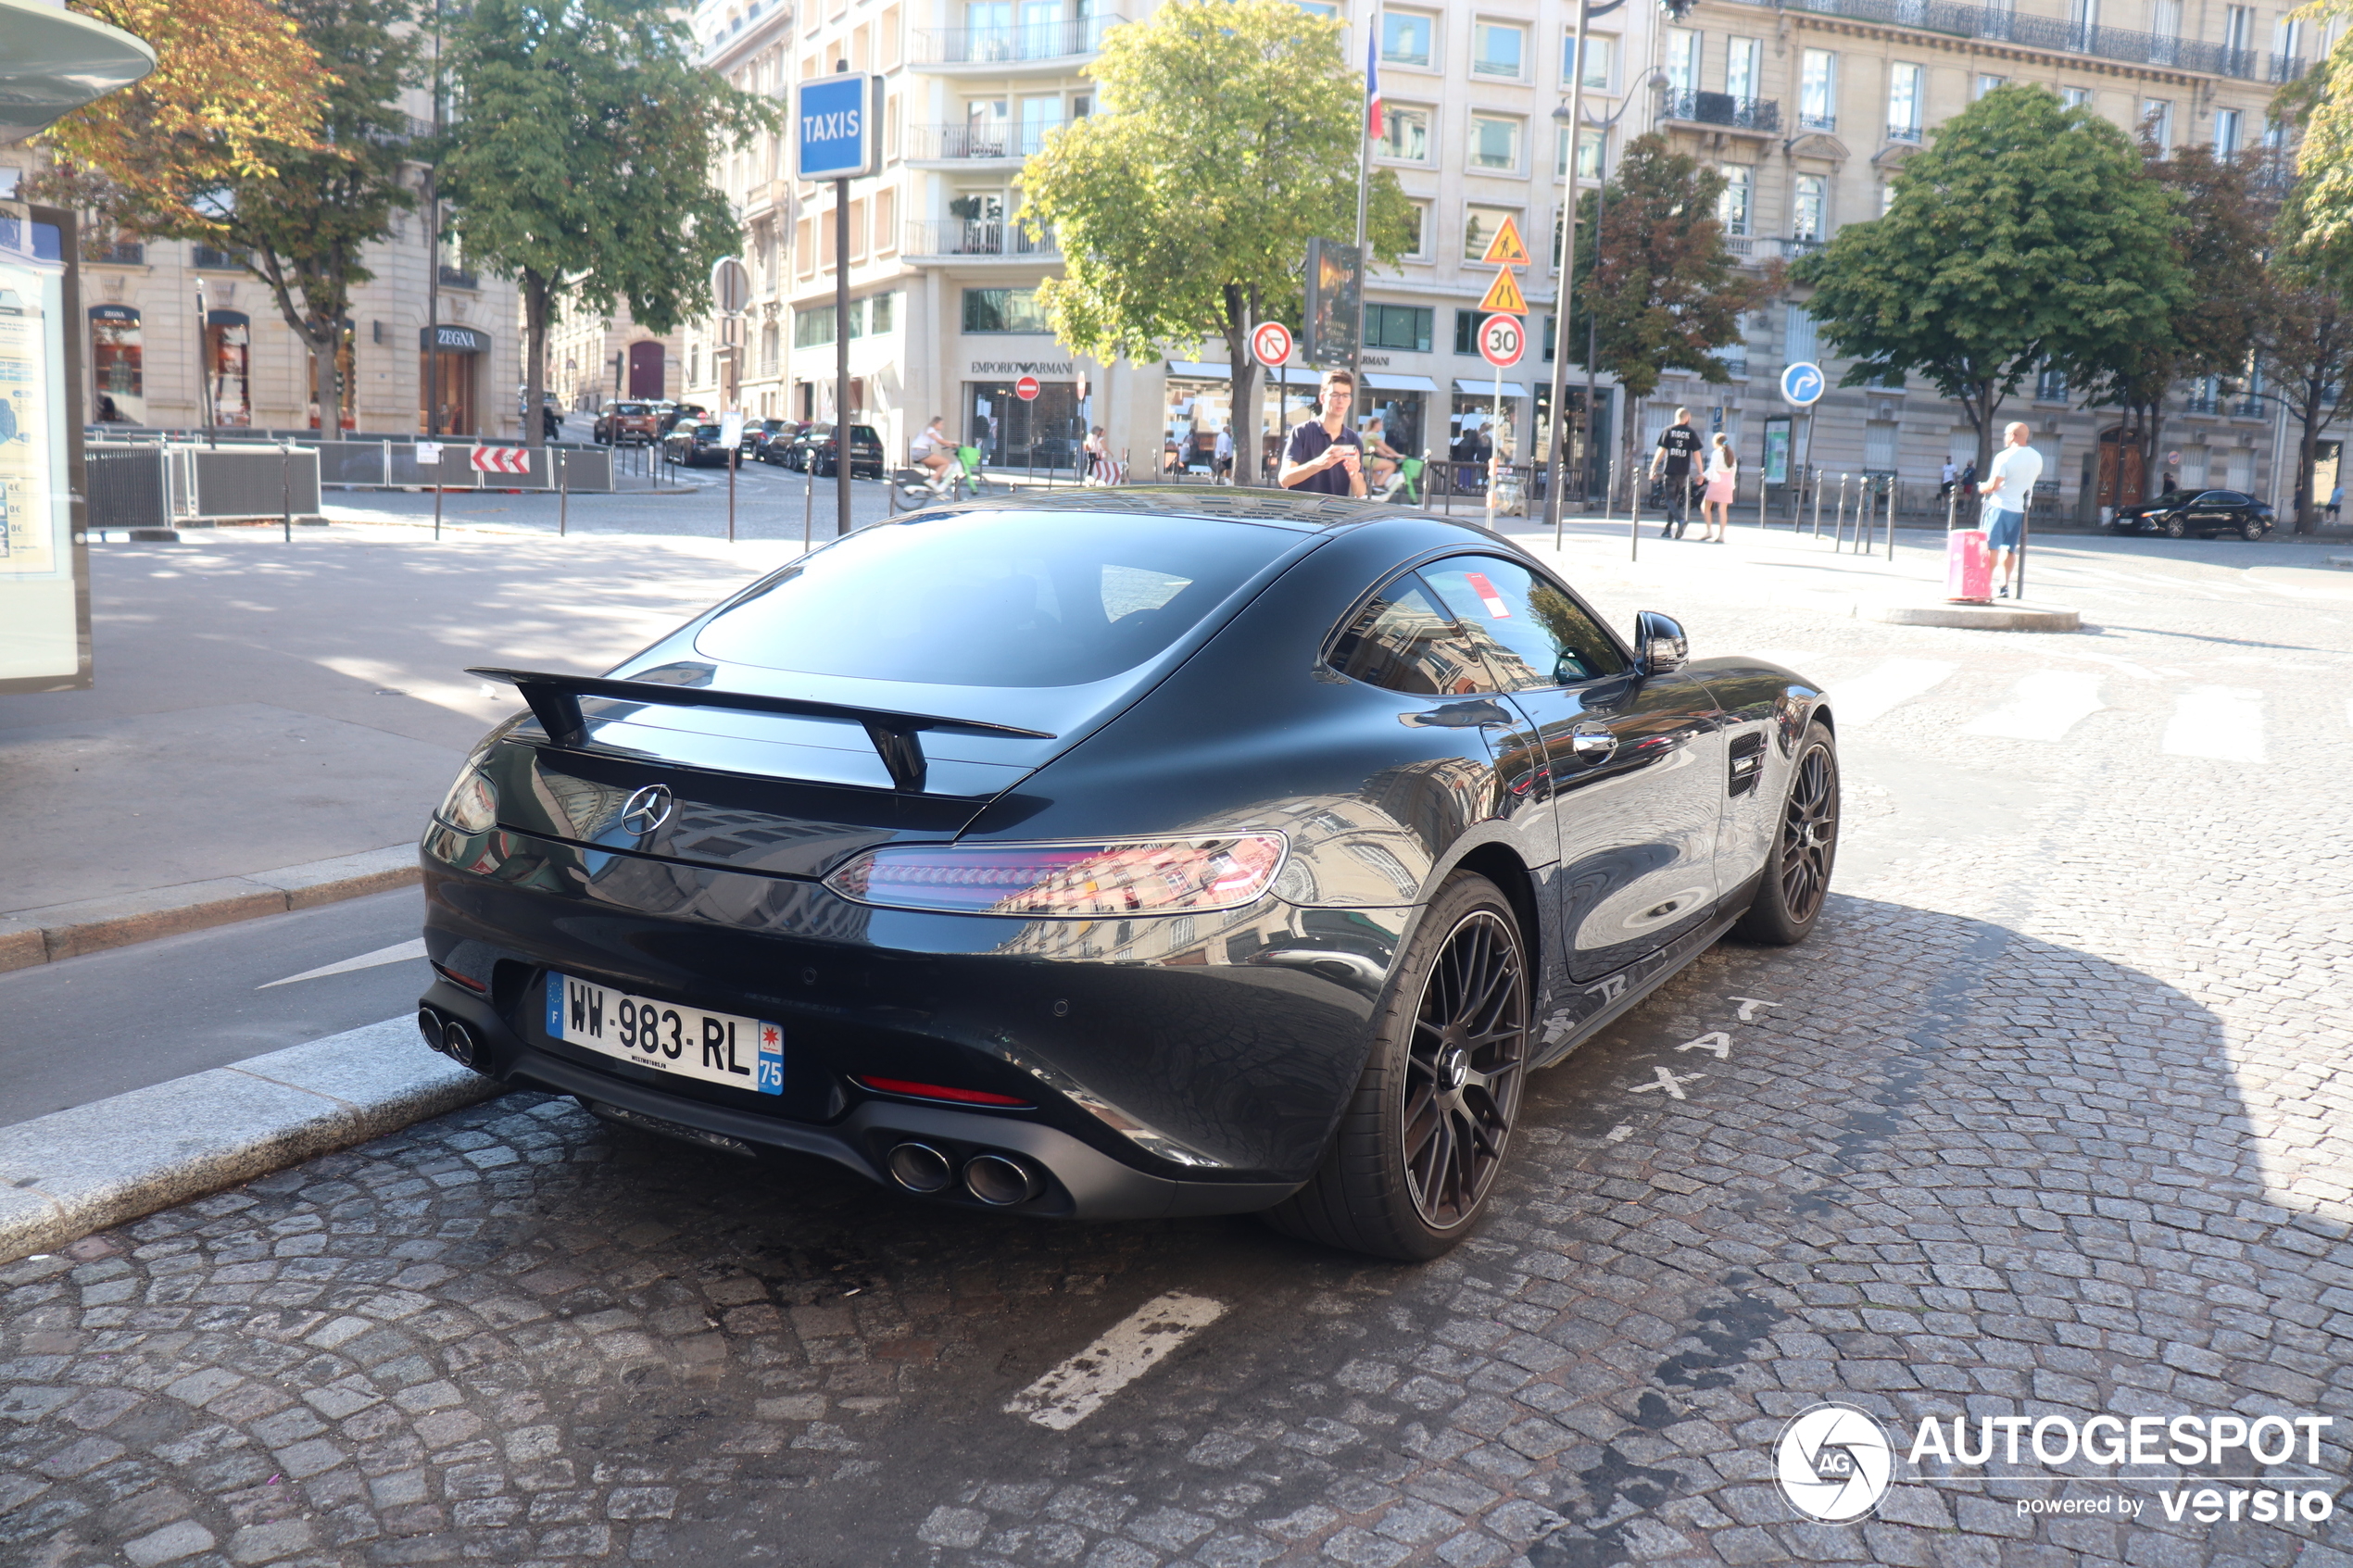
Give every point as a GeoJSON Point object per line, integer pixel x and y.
{"type": "Point", "coordinates": [1502, 340]}
{"type": "Point", "coordinates": [1270, 343]}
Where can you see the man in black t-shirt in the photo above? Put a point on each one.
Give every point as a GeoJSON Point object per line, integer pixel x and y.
{"type": "Point", "coordinates": [1678, 451]}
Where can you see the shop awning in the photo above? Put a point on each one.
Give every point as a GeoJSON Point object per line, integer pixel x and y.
{"type": "Point", "coordinates": [1377, 381]}
{"type": "Point", "coordinates": [1482, 386]}
{"type": "Point", "coordinates": [1194, 370]}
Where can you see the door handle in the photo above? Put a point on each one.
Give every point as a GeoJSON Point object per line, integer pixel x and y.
{"type": "Point", "coordinates": [1592, 745]}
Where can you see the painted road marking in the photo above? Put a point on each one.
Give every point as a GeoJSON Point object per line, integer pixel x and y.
{"type": "Point", "coordinates": [1718, 1043]}
{"type": "Point", "coordinates": [1076, 1389]}
{"type": "Point", "coordinates": [2045, 707]}
{"type": "Point", "coordinates": [2219, 721]}
{"type": "Point", "coordinates": [1671, 1082]}
{"type": "Point", "coordinates": [1749, 1006]}
{"type": "Point", "coordinates": [1619, 1133]}
{"type": "Point", "coordinates": [1896, 680]}
{"type": "Point", "coordinates": [400, 952]}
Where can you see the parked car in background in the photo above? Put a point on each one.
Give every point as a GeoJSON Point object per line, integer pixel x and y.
{"type": "Point", "coordinates": [815, 451]}
{"type": "Point", "coordinates": [632, 424]}
{"type": "Point", "coordinates": [2198, 513]}
{"type": "Point", "coordinates": [695, 442]}
{"type": "Point", "coordinates": [757, 434]}
{"type": "Point", "coordinates": [777, 446]}
{"type": "Point", "coordinates": [676, 414]}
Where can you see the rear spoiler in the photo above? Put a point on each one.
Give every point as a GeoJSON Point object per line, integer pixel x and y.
{"type": "Point", "coordinates": [555, 701]}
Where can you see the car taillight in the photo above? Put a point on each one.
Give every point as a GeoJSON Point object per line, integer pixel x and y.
{"type": "Point", "coordinates": [471, 805]}
{"type": "Point", "coordinates": [1068, 881]}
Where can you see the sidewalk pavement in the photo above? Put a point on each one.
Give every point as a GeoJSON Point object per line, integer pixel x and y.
{"type": "Point", "coordinates": [272, 724]}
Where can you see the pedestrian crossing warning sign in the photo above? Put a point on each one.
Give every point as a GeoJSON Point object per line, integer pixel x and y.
{"type": "Point", "coordinates": [1504, 297]}
{"type": "Point", "coordinates": [1506, 249]}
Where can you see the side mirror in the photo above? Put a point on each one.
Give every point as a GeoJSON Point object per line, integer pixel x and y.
{"type": "Point", "coordinates": [1660, 643]}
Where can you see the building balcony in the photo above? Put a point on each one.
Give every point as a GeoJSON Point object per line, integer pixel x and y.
{"type": "Point", "coordinates": [1046, 49]}
{"type": "Point", "coordinates": [1817, 121]}
{"type": "Point", "coordinates": [2199, 403]}
{"type": "Point", "coordinates": [1908, 133]}
{"type": "Point", "coordinates": [2059, 36]}
{"type": "Point", "coordinates": [963, 146]}
{"type": "Point", "coordinates": [117, 253]}
{"type": "Point", "coordinates": [950, 238]}
{"type": "Point", "coordinates": [458, 278]}
{"type": "Point", "coordinates": [1724, 111]}
{"type": "Point", "coordinates": [207, 259]}
{"type": "Point", "coordinates": [1797, 245]}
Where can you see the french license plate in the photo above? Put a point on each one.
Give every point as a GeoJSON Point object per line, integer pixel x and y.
{"type": "Point", "coordinates": [715, 1047]}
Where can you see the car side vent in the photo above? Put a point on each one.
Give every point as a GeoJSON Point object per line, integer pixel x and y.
{"type": "Point", "coordinates": [1748, 762]}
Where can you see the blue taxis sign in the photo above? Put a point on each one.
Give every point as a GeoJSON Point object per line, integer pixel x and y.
{"type": "Point", "coordinates": [838, 127]}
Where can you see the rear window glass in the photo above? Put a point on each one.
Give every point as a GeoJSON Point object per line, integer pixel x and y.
{"type": "Point", "coordinates": [711, 431]}
{"type": "Point", "coordinates": [994, 599]}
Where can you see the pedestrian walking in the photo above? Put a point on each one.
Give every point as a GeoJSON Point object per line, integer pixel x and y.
{"type": "Point", "coordinates": [1325, 456]}
{"type": "Point", "coordinates": [1723, 479]}
{"type": "Point", "coordinates": [2336, 499]}
{"type": "Point", "coordinates": [1679, 449]}
{"type": "Point", "coordinates": [1951, 476]}
{"type": "Point", "coordinates": [1221, 456]}
{"type": "Point", "coordinates": [2169, 487]}
{"type": "Point", "coordinates": [2009, 483]}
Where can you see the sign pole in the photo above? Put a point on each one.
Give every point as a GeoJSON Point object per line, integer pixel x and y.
{"type": "Point", "coordinates": [842, 463]}
{"type": "Point", "coordinates": [1554, 466]}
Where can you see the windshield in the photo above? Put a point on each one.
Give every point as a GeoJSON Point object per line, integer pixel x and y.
{"type": "Point", "coordinates": [994, 599]}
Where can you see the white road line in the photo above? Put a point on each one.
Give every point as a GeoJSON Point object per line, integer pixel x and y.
{"type": "Point", "coordinates": [2220, 722]}
{"type": "Point", "coordinates": [2047, 706]}
{"type": "Point", "coordinates": [1896, 680]}
{"type": "Point", "coordinates": [1079, 1387]}
{"type": "Point", "coordinates": [400, 952]}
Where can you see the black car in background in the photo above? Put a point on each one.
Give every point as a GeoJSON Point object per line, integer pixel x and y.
{"type": "Point", "coordinates": [676, 414]}
{"type": "Point", "coordinates": [1120, 854]}
{"type": "Point", "coordinates": [777, 446]}
{"type": "Point", "coordinates": [2199, 513]}
{"type": "Point", "coordinates": [690, 445]}
{"type": "Point", "coordinates": [759, 433]}
{"type": "Point", "coordinates": [815, 450]}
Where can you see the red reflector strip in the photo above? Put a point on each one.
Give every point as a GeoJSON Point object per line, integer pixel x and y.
{"type": "Point", "coordinates": [468, 982]}
{"type": "Point", "coordinates": [936, 1091]}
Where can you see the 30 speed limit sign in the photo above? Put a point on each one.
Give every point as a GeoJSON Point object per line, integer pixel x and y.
{"type": "Point", "coordinates": [1502, 340]}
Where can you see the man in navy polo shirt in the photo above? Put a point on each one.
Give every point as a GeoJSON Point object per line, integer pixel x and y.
{"type": "Point", "coordinates": [1323, 455]}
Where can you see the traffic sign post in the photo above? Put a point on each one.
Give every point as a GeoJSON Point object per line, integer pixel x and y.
{"type": "Point", "coordinates": [1270, 345]}
{"type": "Point", "coordinates": [1803, 384]}
{"type": "Point", "coordinates": [1026, 389]}
{"type": "Point", "coordinates": [837, 123]}
{"type": "Point", "coordinates": [1502, 340]}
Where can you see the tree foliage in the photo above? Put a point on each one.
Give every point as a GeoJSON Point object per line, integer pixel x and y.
{"type": "Point", "coordinates": [1656, 287]}
{"type": "Point", "coordinates": [2304, 339]}
{"type": "Point", "coordinates": [236, 87]}
{"type": "Point", "coordinates": [2028, 233]}
{"type": "Point", "coordinates": [579, 161]}
{"type": "Point", "coordinates": [1229, 140]}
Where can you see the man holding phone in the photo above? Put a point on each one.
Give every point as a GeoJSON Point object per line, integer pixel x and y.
{"type": "Point", "coordinates": [1325, 456]}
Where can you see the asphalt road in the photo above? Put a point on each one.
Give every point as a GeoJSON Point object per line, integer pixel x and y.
{"type": "Point", "coordinates": [2048, 1121]}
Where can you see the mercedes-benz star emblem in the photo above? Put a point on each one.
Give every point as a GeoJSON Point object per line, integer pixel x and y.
{"type": "Point", "coordinates": [647, 809]}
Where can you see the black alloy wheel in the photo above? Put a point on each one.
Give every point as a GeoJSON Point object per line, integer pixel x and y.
{"type": "Point", "coordinates": [2251, 530]}
{"type": "Point", "coordinates": [1420, 1143]}
{"type": "Point", "coordinates": [1798, 874]}
{"type": "Point", "coordinates": [2177, 527]}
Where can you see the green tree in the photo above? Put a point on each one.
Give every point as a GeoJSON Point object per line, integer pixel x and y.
{"type": "Point", "coordinates": [1184, 211]}
{"type": "Point", "coordinates": [1656, 289]}
{"type": "Point", "coordinates": [2304, 340]}
{"type": "Point", "coordinates": [579, 162]}
{"type": "Point", "coordinates": [2027, 234]}
{"type": "Point", "coordinates": [2219, 240]}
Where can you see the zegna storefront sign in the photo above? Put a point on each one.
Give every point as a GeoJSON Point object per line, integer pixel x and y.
{"type": "Point", "coordinates": [454, 340]}
{"type": "Point", "coordinates": [1835, 1463]}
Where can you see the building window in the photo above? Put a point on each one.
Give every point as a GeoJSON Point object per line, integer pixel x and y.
{"type": "Point", "coordinates": [1799, 344]}
{"type": "Point", "coordinates": [2076, 97]}
{"type": "Point", "coordinates": [1494, 142]}
{"type": "Point", "coordinates": [1480, 225]}
{"type": "Point", "coordinates": [1904, 94]}
{"type": "Point", "coordinates": [1397, 326]}
{"type": "Point", "coordinates": [2050, 385]}
{"type": "Point", "coordinates": [1682, 60]}
{"type": "Point", "coordinates": [2226, 132]}
{"type": "Point", "coordinates": [1405, 134]}
{"type": "Point", "coordinates": [2238, 29]}
{"type": "Point", "coordinates": [2157, 122]}
{"type": "Point", "coordinates": [1597, 57]}
{"type": "Point", "coordinates": [1467, 330]}
{"type": "Point", "coordinates": [1419, 243]}
{"type": "Point", "coordinates": [1732, 207]}
{"type": "Point", "coordinates": [117, 380]}
{"type": "Point", "coordinates": [1817, 91]}
{"type": "Point", "coordinates": [1879, 446]}
{"type": "Point", "coordinates": [1405, 38]}
{"type": "Point", "coordinates": [1003, 310]}
{"type": "Point", "coordinates": [207, 259]}
{"type": "Point", "coordinates": [1589, 154]}
{"type": "Point", "coordinates": [1807, 220]}
{"type": "Point", "coordinates": [1499, 49]}
{"type": "Point", "coordinates": [1987, 84]}
{"type": "Point", "coordinates": [1744, 69]}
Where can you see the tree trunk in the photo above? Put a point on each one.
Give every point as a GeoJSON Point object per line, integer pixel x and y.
{"type": "Point", "coordinates": [2308, 454]}
{"type": "Point", "coordinates": [1242, 421]}
{"type": "Point", "coordinates": [535, 292]}
{"type": "Point", "coordinates": [325, 338]}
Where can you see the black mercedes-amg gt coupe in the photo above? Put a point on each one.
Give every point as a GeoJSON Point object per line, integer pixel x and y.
{"type": "Point", "coordinates": [1120, 853]}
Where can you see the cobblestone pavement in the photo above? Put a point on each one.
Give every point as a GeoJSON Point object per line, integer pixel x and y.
{"type": "Point", "coordinates": [2050, 1119]}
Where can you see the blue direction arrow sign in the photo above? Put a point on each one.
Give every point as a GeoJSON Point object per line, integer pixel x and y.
{"type": "Point", "coordinates": [838, 127]}
{"type": "Point", "coordinates": [1801, 384]}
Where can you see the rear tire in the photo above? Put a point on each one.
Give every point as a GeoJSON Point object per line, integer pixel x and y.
{"type": "Point", "coordinates": [1797, 874]}
{"type": "Point", "coordinates": [1410, 1167]}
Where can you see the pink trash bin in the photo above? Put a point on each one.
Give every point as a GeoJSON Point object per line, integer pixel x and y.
{"type": "Point", "coordinates": [1968, 567]}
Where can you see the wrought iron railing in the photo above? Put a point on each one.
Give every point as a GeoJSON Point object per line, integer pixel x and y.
{"type": "Point", "coordinates": [1903, 132]}
{"type": "Point", "coordinates": [1722, 109]}
{"type": "Point", "coordinates": [118, 253]}
{"type": "Point", "coordinates": [458, 278]}
{"type": "Point", "coordinates": [1010, 46]}
{"type": "Point", "coordinates": [975, 236]}
{"type": "Point", "coordinates": [2002, 24]}
{"type": "Point", "coordinates": [977, 143]}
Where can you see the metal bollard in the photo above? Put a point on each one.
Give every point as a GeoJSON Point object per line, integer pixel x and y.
{"type": "Point", "coordinates": [563, 491]}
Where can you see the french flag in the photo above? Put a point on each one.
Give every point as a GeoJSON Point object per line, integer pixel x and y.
{"type": "Point", "coordinates": [1372, 86]}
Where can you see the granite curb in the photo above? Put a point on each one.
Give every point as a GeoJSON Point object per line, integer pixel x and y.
{"type": "Point", "coordinates": [73, 1172]}
{"type": "Point", "coordinates": [90, 925]}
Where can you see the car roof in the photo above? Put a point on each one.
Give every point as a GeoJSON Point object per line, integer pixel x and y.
{"type": "Point", "coordinates": [1232, 503]}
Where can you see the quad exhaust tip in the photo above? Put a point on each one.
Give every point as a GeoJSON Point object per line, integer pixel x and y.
{"type": "Point", "coordinates": [918, 1167]}
{"type": "Point", "coordinates": [429, 1025]}
{"type": "Point", "coordinates": [1001, 1182]}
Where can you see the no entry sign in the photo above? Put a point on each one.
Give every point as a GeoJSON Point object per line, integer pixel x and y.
{"type": "Point", "coordinates": [1502, 340]}
{"type": "Point", "coordinates": [502, 459]}
{"type": "Point", "coordinates": [1026, 389]}
{"type": "Point", "coordinates": [1270, 343]}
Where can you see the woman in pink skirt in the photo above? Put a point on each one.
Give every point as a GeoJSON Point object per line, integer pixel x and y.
{"type": "Point", "coordinates": [1716, 505]}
